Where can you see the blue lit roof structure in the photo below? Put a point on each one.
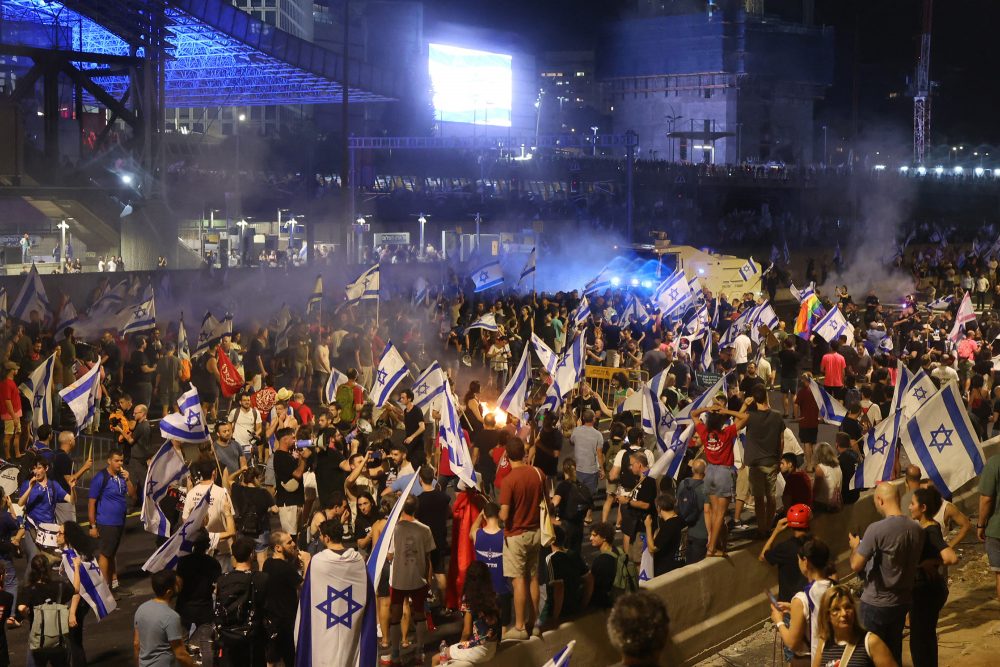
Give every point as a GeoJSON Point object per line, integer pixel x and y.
{"type": "Point", "coordinates": [217, 54]}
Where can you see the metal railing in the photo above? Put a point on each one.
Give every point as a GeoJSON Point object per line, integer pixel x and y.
{"type": "Point", "coordinates": [600, 377]}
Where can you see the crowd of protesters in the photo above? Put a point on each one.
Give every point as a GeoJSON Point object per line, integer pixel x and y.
{"type": "Point", "coordinates": [293, 472]}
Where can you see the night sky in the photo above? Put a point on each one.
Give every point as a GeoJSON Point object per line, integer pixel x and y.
{"type": "Point", "coordinates": [965, 55]}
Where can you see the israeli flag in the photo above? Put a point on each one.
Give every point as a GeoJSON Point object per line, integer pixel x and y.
{"type": "Point", "coordinates": [365, 286]}
{"type": "Point", "coordinates": [914, 392]}
{"type": "Point", "coordinates": [941, 303]}
{"type": "Point", "coordinates": [452, 438]}
{"type": "Point", "coordinates": [803, 294]}
{"type": "Point", "coordinates": [140, 317]}
{"type": "Point", "coordinates": [335, 380]}
{"type": "Point", "coordinates": [833, 325]}
{"type": "Point", "coordinates": [421, 288]}
{"type": "Point", "coordinates": [635, 310]}
{"type": "Point", "coordinates": [763, 315]}
{"type": "Point", "coordinates": [529, 267]}
{"type": "Point", "coordinates": [571, 365]}
{"type": "Point", "coordinates": [670, 460]}
{"type": "Point", "coordinates": [879, 448]}
{"type": "Point", "coordinates": [964, 315]}
{"type": "Point", "coordinates": [488, 321]}
{"type": "Point", "coordinates": [697, 293]}
{"type": "Point", "coordinates": [749, 270]}
{"type": "Point", "coordinates": [561, 659]}
{"type": "Point", "coordinates": [336, 621]}
{"type": "Point", "coordinates": [706, 361]}
{"type": "Point", "coordinates": [885, 345]}
{"type": "Point", "coordinates": [646, 569]}
{"type": "Point", "coordinates": [376, 561]}
{"type": "Point", "coordinates": [391, 371]}
{"type": "Point", "coordinates": [282, 337]}
{"type": "Point", "coordinates": [553, 398]}
{"type": "Point", "coordinates": [81, 396]}
{"type": "Point", "coordinates": [31, 297]}
{"type": "Point", "coordinates": [831, 410]}
{"type": "Point", "coordinates": [179, 544]}
{"type": "Point", "coordinates": [940, 440]}
{"type": "Point", "coordinates": [67, 314]}
{"type": "Point", "coordinates": [582, 313]}
{"type": "Point", "coordinates": [699, 322]}
{"type": "Point", "coordinates": [514, 395]}
{"type": "Point", "coordinates": [428, 389]}
{"type": "Point", "coordinates": [188, 425]}
{"type": "Point", "coordinates": [775, 254]}
{"type": "Point", "coordinates": [656, 418]}
{"type": "Point", "coordinates": [183, 347]}
{"type": "Point", "coordinates": [548, 358]}
{"type": "Point", "coordinates": [212, 331]}
{"type": "Point", "coordinates": [599, 283]}
{"type": "Point", "coordinates": [653, 389]}
{"type": "Point", "coordinates": [37, 388]}
{"type": "Point", "coordinates": [487, 276]}
{"type": "Point", "coordinates": [166, 467]}
{"type": "Point", "coordinates": [93, 588]}
{"type": "Point", "coordinates": [316, 298]}
{"type": "Point", "coordinates": [672, 294]}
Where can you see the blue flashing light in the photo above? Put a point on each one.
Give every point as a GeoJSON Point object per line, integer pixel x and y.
{"type": "Point", "coordinates": [616, 281]}
{"type": "Point", "coordinates": [648, 284]}
{"type": "Point", "coordinates": [635, 282]}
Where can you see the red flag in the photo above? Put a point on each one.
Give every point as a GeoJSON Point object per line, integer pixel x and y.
{"type": "Point", "coordinates": [229, 378]}
{"type": "Point", "coordinates": [463, 552]}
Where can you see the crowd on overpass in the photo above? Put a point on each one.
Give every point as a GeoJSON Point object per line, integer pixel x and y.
{"type": "Point", "coordinates": [531, 456]}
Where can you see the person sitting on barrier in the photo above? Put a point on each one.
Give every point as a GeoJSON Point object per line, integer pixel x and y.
{"type": "Point", "coordinates": [639, 628]}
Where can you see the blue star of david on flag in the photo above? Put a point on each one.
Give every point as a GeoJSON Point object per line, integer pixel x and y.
{"type": "Point", "coordinates": [945, 438]}
{"type": "Point", "coordinates": [880, 445]}
{"type": "Point", "coordinates": [919, 393]}
{"type": "Point", "coordinates": [420, 389]}
{"type": "Point", "coordinates": [381, 377]}
{"type": "Point", "coordinates": [332, 617]}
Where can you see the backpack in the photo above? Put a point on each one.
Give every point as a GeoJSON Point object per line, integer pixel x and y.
{"type": "Point", "coordinates": [578, 501]}
{"type": "Point", "coordinates": [248, 520]}
{"type": "Point", "coordinates": [50, 626]}
{"type": "Point", "coordinates": [626, 575]}
{"type": "Point", "coordinates": [687, 501]}
{"type": "Point", "coordinates": [236, 612]}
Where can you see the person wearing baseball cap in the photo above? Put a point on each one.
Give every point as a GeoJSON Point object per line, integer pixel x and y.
{"type": "Point", "coordinates": [784, 555]}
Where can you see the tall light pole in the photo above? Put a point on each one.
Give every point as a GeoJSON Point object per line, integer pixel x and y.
{"type": "Point", "coordinates": [825, 154]}
{"type": "Point", "coordinates": [242, 224]}
{"type": "Point", "coordinates": [538, 113]}
{"type": "Point", "coordinates": [593, 128]}
{"type": "Point", "coordinates": [422, 219]}
{"type": "Point", "coordinates": [62, 245]}
{"type": "Point", "coordinates": [239, 186]}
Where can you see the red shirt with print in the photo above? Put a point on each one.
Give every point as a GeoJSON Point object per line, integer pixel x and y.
{"type": "Point", "coordinates": [718, 444]}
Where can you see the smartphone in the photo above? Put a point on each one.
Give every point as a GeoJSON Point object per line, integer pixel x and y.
{"type": "Point", "coordinates": [773, 600]}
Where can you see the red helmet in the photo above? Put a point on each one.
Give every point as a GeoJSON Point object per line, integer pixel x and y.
{"type": "Point", "coordinates": [798, 516]}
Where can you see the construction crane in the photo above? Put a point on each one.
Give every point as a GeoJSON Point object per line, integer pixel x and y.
{"type": "Point", "coordinates": [922, 90]}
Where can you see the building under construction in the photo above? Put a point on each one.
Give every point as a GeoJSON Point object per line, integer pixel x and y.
{"type": "Point", "coordinates": [721, 82]}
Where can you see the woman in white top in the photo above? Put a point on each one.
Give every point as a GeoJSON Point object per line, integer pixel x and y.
{"type": "Point", "coordinates": [828, 485]}
{"type": "Point", "coordinates": [949, 516]}
{"type": "Point", "coordinates": [800, 633]}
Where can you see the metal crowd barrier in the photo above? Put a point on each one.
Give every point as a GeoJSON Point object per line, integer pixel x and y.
{"type": "Point", "coordinates": [599, 378]}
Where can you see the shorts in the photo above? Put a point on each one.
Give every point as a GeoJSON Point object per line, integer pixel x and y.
{"type": "Point", "coordinates": [288, 517]}
{"type": "Point", "coordinates": [520, 554]}
{"type": "Point", "coordinates": [762, 479]}
{"type": "Point", "coordinates": [993, 553]}
{"type": "Point", "coordinates": [417, 597]}
{"type": "Point", "coordinates": [720, 481]}
{"type": "Point", "coordinates": [742, 368]}
{"type": "Point", "coordinates": [281, 647]}
{"type": "Point", "coordinates": [110, 539]}
{"type": "Point", "coordinates": [383, 583]}
{"type": "Point", "coordinates": [789, 385]}
{"type": "Point", "coordinates": [299, 370]}
{"type": "Point", "coordinates": [262, 542]}
{"type": "Point", "coordinates": [610, 489]}
{"type": "Point", "coordinates": [808, 434]}
{"type": "Point", "coordinates": [743, 484]}
{"type": "Point", "coordinates": [473, 654]}
{"type": "Point", "coordinates": [168, 397]}
{"type": "Point", "coordinates": [11, 426]}
{"type": "Point", "coordinates": [439, 561]}
{"type": "Point", "coordinates": [630, 524]}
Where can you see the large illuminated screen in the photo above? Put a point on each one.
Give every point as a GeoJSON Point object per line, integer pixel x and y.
{"type": "Point", "coordinates": [471, 86]}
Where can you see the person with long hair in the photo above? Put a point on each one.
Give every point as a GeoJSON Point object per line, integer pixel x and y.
{"type": "Point", "coordinates": [930, 590]}
{"type": "Point", "coordinates": [473, 408]}
{"type": "Point", "coordinates": [718, 437]}
{"type": "Point", "coordinates": [481, 624]}
{"type": "Point", "coordinates": [82, 550]}
{"type": "Point", "coordinates": [842, 640]}
{"type": "Point", "coordinates": [797, 621]}
{"type": "Point", "coordinates": [41, 588]}
{"type": "Point", "coordinates": [569, 497]}
{"type": "Point", "coordinates": [828, 485]}
{"type": "Point", "coordinates": [364, 520]}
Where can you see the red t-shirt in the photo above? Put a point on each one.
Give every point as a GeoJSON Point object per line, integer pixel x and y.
{"type": "Point", "coordinates": [718, 444]}
{"type": "Point", "coordinates": [522, 492]}
{"type": "Point", "coordinates": [833, 366]}
{"type": "Point", "coordinates": [499, 454]}
{"type": "Point", "coordinates": [808, 410]}
{"type": "Point", "coordinates": [9, 392]}
{"type": "Point", "coordinates": [302, 412]}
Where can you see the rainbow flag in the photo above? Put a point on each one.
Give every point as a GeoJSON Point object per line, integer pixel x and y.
{"type": "Point", "coordinates": [809, 312]}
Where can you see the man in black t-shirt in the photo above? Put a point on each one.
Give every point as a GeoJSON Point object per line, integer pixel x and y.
{"type": "Point", "coordinates": [413, 424]}
{"type": "Point", "coordinates": [288, 492]}
{"type": "Point", "coordinates": [328, 463]}
{"type": "Point", "coordinates": [284, 576]}
{"type": "Point", "coordinates": [433, 511]}
{"type": "Point", "coordinates": [785, 555]}
{"type": "Point", "coordinates": [199, 572]}
{"type": "Point", "coordinates": [483, 442]}
{"type": "Point", "coordinates": [640, 499]}
{"type": "Point", "coordinates": [240, 592]}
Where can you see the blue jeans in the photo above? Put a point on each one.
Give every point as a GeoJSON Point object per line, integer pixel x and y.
{"type": "Point", "coordinates": [10, 580]}
{"type": "Point", "coordinates": [887, 623]}
{"type": "Point", "coordinates": [589, 480]}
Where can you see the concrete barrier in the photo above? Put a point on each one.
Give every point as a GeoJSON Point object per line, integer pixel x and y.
{"type": "Point", "coordinates": [712, 603]}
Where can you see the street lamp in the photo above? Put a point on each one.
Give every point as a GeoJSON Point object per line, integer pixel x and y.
{"type": "Point", "coordinates": [422, 219]}
{"type": "Point", "coordinates": [593, 128]}
{"type": "Point", "coordinates": [62, 245]}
